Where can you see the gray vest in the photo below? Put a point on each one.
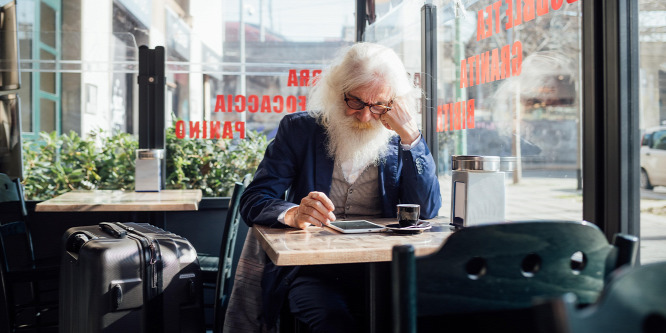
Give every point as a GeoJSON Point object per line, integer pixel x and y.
{"type": "Point", "coordinates": [359, 198]}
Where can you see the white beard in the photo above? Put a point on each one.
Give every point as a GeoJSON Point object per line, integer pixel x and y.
{"type": "Point", "coordinates": [354, 141]}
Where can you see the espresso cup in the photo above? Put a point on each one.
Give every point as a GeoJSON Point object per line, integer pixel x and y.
{"type": "Point", "coordinates": [408, 214]}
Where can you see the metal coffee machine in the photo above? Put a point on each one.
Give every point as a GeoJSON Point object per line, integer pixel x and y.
{"type": "Point", "coordinates": [148, 173]}
{"type": "Point", "coordinates": [477, 189]}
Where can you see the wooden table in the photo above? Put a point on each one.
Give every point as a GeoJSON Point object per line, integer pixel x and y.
{"type": "Point", "coordinates": [113, 201]}
{"type": "Point", "coordinates": [150, 207]}
{"type": "Point", "coordinates": [316, 246]}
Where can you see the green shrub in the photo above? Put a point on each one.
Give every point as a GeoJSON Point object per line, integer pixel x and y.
{"type": "Point", "coordinates": [57, 164]}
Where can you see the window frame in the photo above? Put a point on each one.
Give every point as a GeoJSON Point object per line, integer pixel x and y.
{"type": "Point", "coordinates": [611, 137]}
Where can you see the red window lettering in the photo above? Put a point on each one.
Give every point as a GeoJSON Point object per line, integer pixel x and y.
{"type": "Point", "coordinates": [240, 103]}
{"type": "Point", "coordinates": [279, 101]}
{"type": "Point", "coordinates": [194, 129]}
{"type": "Point", "coordinates": [253, 103]}
{"type": "Point", "coordinates": [226, 131]}
{"type": "Point", "coordinates": [556, 4]}
{"type": "Point", "coordinates": [528, 13]}
{"type": "Point", "coordinates": [470, 113]}
{"type": "Point", "coordinates": [517, 61]}
{"type": "Point", "coordinates": [240, 128]}
{"type": "Point", "coordinates": [265, 104]}
{"type": "Point", "coordinates": [305, 77]}
{"type": "Point", "coordinates": [291, 104]}
{"type": "Point", "coordinates": [214, 129]}
{"type": "Point", "coordinates": [302, 103]}
{"type": "Point", "coordinates": [292, 80]}
{"type": "Point", "coordinates": [541, 7]}
{"type": "Point", "coordinates": [180, 129]}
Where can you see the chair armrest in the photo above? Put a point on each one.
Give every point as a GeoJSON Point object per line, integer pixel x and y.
{"type": "Point", "coordinates": [627, 246]}
{"type": "Point", "coordinates": [624, 252]}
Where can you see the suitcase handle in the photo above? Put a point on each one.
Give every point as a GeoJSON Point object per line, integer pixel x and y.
{"type": "Point", "coordinates": [117, 296]}
{"type": "Point", "coordinates": [76, 241]}
{"type": "Point", "coordinates": [113, 230]}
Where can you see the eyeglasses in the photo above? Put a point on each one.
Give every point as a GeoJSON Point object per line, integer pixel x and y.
{"type": "Point", "coordinates": [357, 104]}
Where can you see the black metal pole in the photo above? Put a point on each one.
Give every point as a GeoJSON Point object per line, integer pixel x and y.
{"type": "Point", "coordinates": [429, 77]}
{"type": "Point", "coordinates": [361, 17]}
{"type": "Point", "coordinates": [152, 86]}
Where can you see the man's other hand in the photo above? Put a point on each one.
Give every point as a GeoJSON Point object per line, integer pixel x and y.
{"type": "Point", "coordinates": [401, 121]}
{"type": "Point", "coordinates": [316, 209]}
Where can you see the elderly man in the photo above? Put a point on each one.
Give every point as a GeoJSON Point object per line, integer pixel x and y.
{"type": "Point", "coordinates": [340, 159]}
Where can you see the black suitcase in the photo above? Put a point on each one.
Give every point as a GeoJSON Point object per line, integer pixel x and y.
{"type": "Point", "coordinates": [129, 277]}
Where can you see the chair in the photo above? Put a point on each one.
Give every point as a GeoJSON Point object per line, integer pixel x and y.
{"type": "Point", "coordinates": [229, 253]}
{"type": "Point", "coordinates": [12, 204]}
{"type": "Point", "coordinates": [217, 270]}
{"type": "Point", "coordinates": [633, 301]}
{"type": "Point", "coordinates": [492, 272]}
{"type": "Point", "coordinates": [29, 286]}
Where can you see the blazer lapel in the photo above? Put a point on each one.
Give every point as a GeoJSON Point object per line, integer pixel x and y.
{"type": "Point", "coordinates": [389, 167]}
{"type": "Point", "coordinates": [323, 172]}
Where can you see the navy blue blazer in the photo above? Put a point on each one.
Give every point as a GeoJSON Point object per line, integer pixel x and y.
{"type": "Point", "coordinates": [296, 163]}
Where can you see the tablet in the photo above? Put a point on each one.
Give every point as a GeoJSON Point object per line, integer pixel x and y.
{"type": "Point", "coordinates": [356, 226]}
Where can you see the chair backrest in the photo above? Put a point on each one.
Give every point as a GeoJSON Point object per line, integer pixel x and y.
{"type": "Point", "coordinates": [633, 301]}
{"type": "Point", "coordinates": [12, 204]}
{"type": "Point", "coordinates": [505, 265]}
{"type": "Point", "coordinates": [14, 235]}
{"type": "Point", "coordinates": [225, 268]}
{"type": "Point", "coordinates": [16, 251]}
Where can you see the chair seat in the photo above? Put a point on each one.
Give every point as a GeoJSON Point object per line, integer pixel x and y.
{"type": "Point", "coordinates": [632, 301]}
{"type": "Point", "coordinates": [208, 262]}
{"type": "Point", "coordinates": [209, 266]}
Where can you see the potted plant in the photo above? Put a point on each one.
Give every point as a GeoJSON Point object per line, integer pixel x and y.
{"type": "Point", "coordinates": [60, 163]}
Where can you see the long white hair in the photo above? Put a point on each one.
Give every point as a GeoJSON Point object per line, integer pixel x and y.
{"type": "Point", "coordinates": [359, 65]}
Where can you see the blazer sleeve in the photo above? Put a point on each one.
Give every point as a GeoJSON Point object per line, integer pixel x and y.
{"type": "Point", "coordinates": [418, 180]}
{"type": "Point", "coordinates": [263, 200]}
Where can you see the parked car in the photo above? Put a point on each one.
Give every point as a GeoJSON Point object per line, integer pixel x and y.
{"type": "Point", "coordinates": [653, 158]}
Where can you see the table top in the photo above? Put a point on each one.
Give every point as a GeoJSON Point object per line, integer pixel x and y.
{"type": "Point", "coordinates": [115, 200]}
{"type": "Point", "coordinates": [317, 246]}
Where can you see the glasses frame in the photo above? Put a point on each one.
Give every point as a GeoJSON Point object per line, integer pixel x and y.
{"type": "Point", "coordinates": [383, 108]}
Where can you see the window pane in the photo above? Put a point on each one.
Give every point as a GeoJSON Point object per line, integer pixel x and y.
{"type": "Point", "coordinates": [47, 80]}
{"type": "Point", "coordinates": [652, 78]}
{"type": "Point", "coordinates": [47, 119]}
{"type": "Point", "coordinates": [48, 25]}
{"type": "Point", "coordinates": [509, 86]}
{"type": "Point", "coordinates": [26, 103]}
{"type": "Point", "coordinates": [267, 74]}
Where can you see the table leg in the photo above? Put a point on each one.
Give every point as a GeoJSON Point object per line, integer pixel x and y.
{"type": "Point", "coordinates": [158, 219]}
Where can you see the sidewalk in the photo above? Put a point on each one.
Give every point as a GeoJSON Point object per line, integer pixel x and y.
{"type": "Point", "coordinates": [538, 198]}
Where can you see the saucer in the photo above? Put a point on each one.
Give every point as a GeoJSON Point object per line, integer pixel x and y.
{"type": "Point", "coordinates": [420, 226]}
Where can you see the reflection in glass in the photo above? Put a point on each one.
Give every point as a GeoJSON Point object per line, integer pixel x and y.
{"type": "Point", "coordinates": [47, 115]}
{"type": "Point", "coordinates": [10, 136]}
{"type": "Point", "coordinates": [47, 24]}
{"type": "Point", "coordinates": [652, 119]}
